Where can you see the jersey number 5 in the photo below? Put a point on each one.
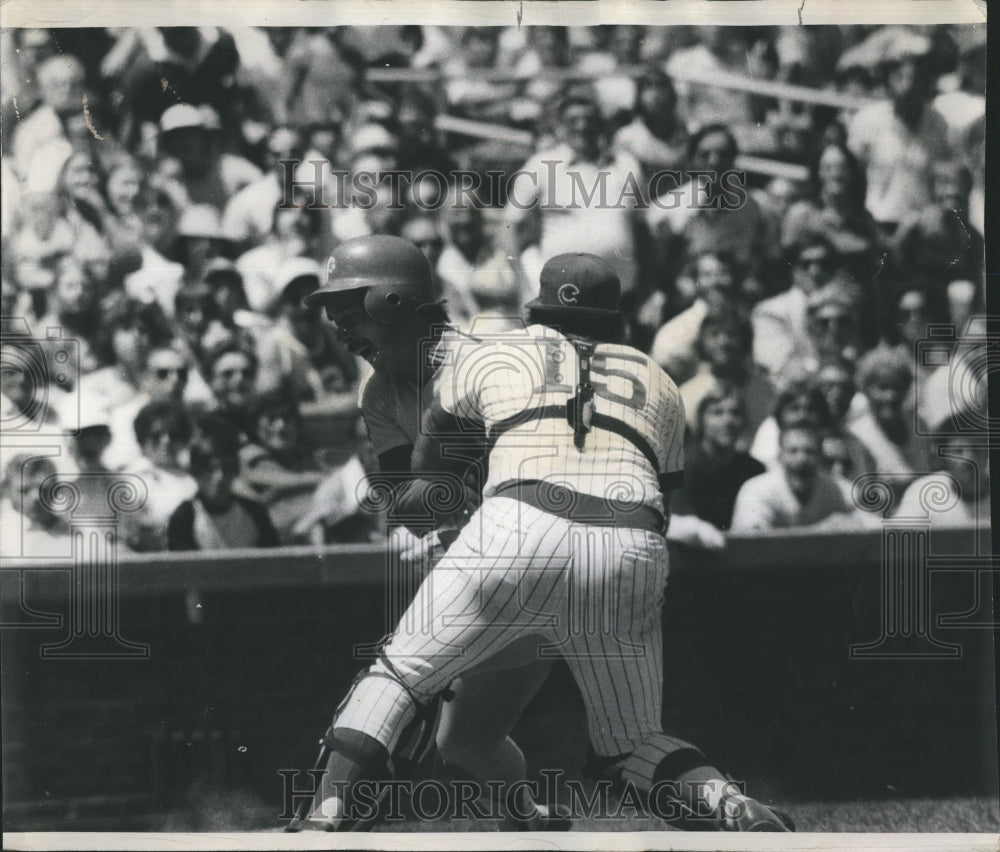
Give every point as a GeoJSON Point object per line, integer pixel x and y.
{"type": "Point", "coordinates": [555, 379]}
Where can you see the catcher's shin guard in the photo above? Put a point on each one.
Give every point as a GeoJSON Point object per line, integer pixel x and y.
{"type": "Point", "coordinates": [348, 757]}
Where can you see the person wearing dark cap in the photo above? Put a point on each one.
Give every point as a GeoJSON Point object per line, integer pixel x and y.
{"type": "Point", "coordinates": [563, 403]}
{"type": "Point", "coordinates": [379, 294]}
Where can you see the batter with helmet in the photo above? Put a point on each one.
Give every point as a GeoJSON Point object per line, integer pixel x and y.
{"type": "Point", "coordinates": [379, 293]}
{"type": "Point", "coordinates": [566, 557]}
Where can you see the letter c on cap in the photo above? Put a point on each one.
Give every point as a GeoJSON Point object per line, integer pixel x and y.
{"type": "Point", "coordinates": [567, 294]}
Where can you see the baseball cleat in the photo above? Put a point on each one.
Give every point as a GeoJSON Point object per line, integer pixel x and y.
{"type": "Point", "coordinates": [741, 813]}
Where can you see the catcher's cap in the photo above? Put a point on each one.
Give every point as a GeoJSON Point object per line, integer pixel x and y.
{"type": "Point", "coordinates": [393, 272]}
{"type": "Point", "coordinates": [579, 284]}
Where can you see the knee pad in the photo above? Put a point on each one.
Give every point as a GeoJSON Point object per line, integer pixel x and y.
{"type": "Point", "coordinates": [355, 761]}
{"type": "Point", "coordinates": [382, 706]}
{"type": "Point", "coordinates": [659, 758]}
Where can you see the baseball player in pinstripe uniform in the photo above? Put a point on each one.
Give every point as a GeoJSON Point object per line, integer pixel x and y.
{"type": "Point", "coordinates": [380, 295]}
{"type": "Point", "coordinates": [566, 557]}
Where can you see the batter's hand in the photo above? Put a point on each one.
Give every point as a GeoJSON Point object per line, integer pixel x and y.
{"type": "Point", "coordinates": [425, 552]}
{"type": "Point", "coordinates": [693, 531]}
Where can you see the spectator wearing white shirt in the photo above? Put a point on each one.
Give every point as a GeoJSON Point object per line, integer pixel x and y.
{"type": "Point", "coordinates": [780, 323]}
{"type": "Point", "coordinates": [961, 107]}
{"type": "Point", "coordinates": [584, 193]}
{"type": "Point", "coordinates": [28, 527]}
{"type": "Point", "coordinates": [475, 276]}
{"type": "Point", "coordinates": [800, 403]}
{"type": "Point", "coordinates": [473, 96]}
{"type": "Point", "coordinates": [724, 346]}
{"type": "Point", "coordinates": [656, 137]}
{"type": "Point", "coordinates": [61, 88]}
{"type": "Point", "coordinates": [959, 495]}
{"type": "Point", "coordinates": [796, 494]}
{"type": "Point", "coordinates": [162, 431]}
{"type": "Point", "coordinates": [295, 234]}
{"type": "Point", "coordinates": [300, 352]}
{"type": "Point", "coordinates": [898, 139]}
{"type": "Point", "coordinates": [885, 376]}
{"type": "Point", "coordinates": [249, 215]}
{"type": "Point", "coordinates": [210, 176]}
{"type": "Point", "coordinates": [715, 276]}
{"type": "Point", "coordinates": [711, 210]}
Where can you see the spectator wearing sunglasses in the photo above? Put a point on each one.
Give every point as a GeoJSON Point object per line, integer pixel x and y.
{"type": "Point", "coordinates": [832, 320]}
{"type": "Point", "coordinates": [166, 378]}
{"type": "Point", "coordinates": [233, 380]}
{"type": "Point", "coordinates": [780, 326]}
{"type": "Point", "coordinates": [162, 432]}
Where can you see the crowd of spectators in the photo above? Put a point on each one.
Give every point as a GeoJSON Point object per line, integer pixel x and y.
{"type": "Point", "coordinates": [162, 206]}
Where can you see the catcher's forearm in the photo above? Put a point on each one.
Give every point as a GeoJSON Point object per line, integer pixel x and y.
{"type": "Point", "coordinates": [420, 500]}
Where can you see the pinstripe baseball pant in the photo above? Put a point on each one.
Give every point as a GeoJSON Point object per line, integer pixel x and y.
{"type": "Point", "coordinates": [592, 594]}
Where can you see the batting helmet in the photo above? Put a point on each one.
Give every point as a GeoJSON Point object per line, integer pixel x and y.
{"type": "Point", "coordinates": [393, 273]}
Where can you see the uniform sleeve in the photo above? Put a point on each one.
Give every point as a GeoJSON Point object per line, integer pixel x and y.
{"type": "Point", "coordinates": [381, 419]}
{"type": "Point", "coordinates": [674, 462]}
{"type": "Point", "coordinates": [455, 386]}
{"type": "Point", "coordinates": [671, 472]}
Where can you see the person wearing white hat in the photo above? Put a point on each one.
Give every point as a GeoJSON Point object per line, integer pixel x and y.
{"type": "Point", "coordinates": [211, 176]}
{"type": "Point", "coordinates": [249, 214]}
{"type": "Point", "coordinates": [898, 139]}
{"type": "Point", "coordinates": [200, 240]}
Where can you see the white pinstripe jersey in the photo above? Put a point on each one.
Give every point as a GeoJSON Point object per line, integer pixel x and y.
{"type": "Point", "coordinates": [510, 374]}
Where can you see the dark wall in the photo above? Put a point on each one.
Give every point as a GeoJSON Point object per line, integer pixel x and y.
{"type": "Point", "coordinates": [248, 654]}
